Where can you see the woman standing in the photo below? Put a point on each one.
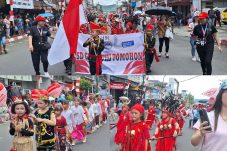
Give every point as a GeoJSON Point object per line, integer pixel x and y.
{"type": "Point", "coordinates": [163, 24]}
{"type": "Point", "coordinates": [38, 45]}
{"type": "Point", "coordinates": [215, 139]}
{"type": "Point", "coordinates": [206, 35]}
{"type": "Point", "coordinates": [191, 27]}
{"type": "Point", "coordinates": [45, 122]}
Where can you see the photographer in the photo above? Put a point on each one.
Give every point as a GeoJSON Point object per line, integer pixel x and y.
{"type": "Point", "coordinates": [38, 45]}
{"type": "Point", "coordinates": [216, 139]}
{"type": "Point", "coordinates": [205, 35]}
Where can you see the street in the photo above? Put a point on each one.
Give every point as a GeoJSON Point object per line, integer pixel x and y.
{"type": "Point", "coordinates": [183, 142]}
{"type": "Point", "coordinates": [18, 60]}
{"type": "Point", "coordinates": [98, 141]}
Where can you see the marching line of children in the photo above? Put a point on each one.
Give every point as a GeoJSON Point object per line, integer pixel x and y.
{"type": "Point", "coordinates": [133, 127]}
{"type": "Point", "coordinates": [59, 126]}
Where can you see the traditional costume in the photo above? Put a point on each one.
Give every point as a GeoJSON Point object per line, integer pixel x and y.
{"type": "Point", "coordinates": [137, 134]}
{"type": "Point", "coordinates": [150, 53]}
{"type": "Point", "coordinates": [151, 115]}
{"type": "Point", "coordinates": [94, 56]}
{"type": "Point", "coordinates": [167, 128]}
{"type": "Point", "coordinates": [22, 140]}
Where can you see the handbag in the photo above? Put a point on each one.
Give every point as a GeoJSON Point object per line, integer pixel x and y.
{"type": "Point", "coordinates": [169, 33]}
{"type": "Point", "coordinates": [43, 45]}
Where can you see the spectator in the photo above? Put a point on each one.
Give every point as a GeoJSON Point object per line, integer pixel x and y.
{"type": "Point", "coordinates": [212, 16]}
{"type": "Point", "coordinates": [2, 36]}
{"type": "Point", "coordinates": [218, 17]}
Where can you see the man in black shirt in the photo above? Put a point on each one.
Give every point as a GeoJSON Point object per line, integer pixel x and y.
{"type": "Point", "coordinates": [2, 36]}
{"type": "Point", "coordinates": [96, 46]}
{"type": "Point", "coordinates": [39, 46]}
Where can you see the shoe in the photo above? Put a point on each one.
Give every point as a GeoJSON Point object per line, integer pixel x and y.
{"type": "Point", "coordinates": [73, 143]}
{"type": "Point", "coordinates": [85, 140]}
{"type": "Point", "coordinates": [46, 74]}
{"type": "Point", "coordinates": [167, 55]}
{"type": "Point", "coordinates": [159, 54]}
{"type": "Point", "coordinates": [194, 58]}
{"type": "Point", "coordinates": [5, 51]}
{"type": "Point", "coordinates": [198, 60]}
{"type": "Point", "coordinates": [97, 126]}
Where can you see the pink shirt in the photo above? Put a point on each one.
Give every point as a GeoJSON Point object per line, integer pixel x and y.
{"type": "Point", "coordinates": [215, 141]}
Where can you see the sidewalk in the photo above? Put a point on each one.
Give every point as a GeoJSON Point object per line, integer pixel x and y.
{"type": "Point", "coordinates": [16, 38]}
{"type": "Point", "coordinates": [222, 33]}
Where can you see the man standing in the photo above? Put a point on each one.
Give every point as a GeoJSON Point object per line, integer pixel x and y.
{"type": "Point", "coordinates": [212, 16]}
{"type": "Point", "coordinates": [2, 37]}
{"type": "Point", "coordinates": [96, 46]}
{"type": "Point", "coordinates": [218, 17]}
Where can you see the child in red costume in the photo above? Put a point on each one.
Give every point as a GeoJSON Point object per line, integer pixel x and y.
{"type": "Point", "coordinates": [166, 132]}
{"type": "Point", "coordinates": [123, 121]}
{"type": "Point", "coordinates": [151, 115]}
{"type": "Point", "coordinates": [137, 132]}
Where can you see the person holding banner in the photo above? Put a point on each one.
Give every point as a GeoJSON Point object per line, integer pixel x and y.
{"type": "Point", "coordinates": [96, 46]}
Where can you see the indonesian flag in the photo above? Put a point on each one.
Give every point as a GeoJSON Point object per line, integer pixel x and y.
{"type": "Point", "coordinates": [66, 39]}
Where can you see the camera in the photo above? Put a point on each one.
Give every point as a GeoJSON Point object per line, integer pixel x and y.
{"type": "Point", "coordinates": [200, 42]}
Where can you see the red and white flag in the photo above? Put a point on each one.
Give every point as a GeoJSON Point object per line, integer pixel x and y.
{"type": "Point", "coordinates": [66, 39]}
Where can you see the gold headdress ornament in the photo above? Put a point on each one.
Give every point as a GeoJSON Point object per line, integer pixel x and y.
{"type": "Point", "coordinates": [17, 100]}
{"type": "Point", "coordinates": [124, 100]}
{"type": "Point", "coordinates": [43, 98]}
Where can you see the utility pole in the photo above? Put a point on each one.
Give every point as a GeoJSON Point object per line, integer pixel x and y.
{"type": "Point", "coordinates": [178, 83]}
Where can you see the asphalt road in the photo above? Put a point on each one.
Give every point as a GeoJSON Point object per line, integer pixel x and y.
{"type": "Point", "coordinates": [98, 141]}
{"type": "Point", "coordinates": [183, 142]}
{"type": "Point", "coordinates": [18, 61]}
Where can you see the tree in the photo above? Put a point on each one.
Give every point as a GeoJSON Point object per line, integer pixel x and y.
{"type": "Point", "coordinates": [85, 85]}
{"type": "Point", "coordinates": [190, 99]}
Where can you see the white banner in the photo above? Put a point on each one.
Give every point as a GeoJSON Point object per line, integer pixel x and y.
{"type": "Point", "coordinates": [123, 54]}
{"type": "Point", "coordinates": [23, 4]}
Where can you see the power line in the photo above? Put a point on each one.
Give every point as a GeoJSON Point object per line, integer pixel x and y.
{"type": "Point", "coordinates": [190, 78]}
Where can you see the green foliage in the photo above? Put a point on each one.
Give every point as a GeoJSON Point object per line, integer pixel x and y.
{"type": "Point", "coordinates": [85, 85]}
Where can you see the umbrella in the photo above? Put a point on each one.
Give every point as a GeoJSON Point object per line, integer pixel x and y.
{"type": "Point", "coordinates": [160, 11]}
{"type": "Point", "coordinates": [46, 15]}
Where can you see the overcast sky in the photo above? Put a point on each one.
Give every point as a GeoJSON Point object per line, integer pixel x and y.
{"type": "Point", "coordinates": [197, 85]}
{"type": "Point", "coordinates": [105, 2]}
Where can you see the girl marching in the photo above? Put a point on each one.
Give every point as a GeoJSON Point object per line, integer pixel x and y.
{"type": "Point", "coordinates": [21, 127]}
{"type": "Point", "coordinates": [61, 129]}
{"type": "Point", "coordinates": [137, 132]}
{"type": "Point", "coordinates": [124, 119]}
{"type": "Point", "coordinates": [151, 115]}
{"type": "Point", "coordinates": [167, 129]}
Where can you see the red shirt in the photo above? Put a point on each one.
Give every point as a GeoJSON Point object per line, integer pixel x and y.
{"type": "Point", "coordinates": [60, 125]}
{"type": "Point", "coordinates": [136, 136]}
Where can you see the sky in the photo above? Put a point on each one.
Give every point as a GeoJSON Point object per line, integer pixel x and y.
{"type": "Point", "coordinates": [197, 85]}
{"type": "Point", "coordinates": [105, 2]}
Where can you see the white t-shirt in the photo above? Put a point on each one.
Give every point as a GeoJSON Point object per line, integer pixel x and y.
{"type": "Point", "coordinates": [91, 114]}
{"type": "Point", "coordinates": [78, 113]}
{"type": "Point", "coordinates": [68, 115]}
{"type": "Point", "coordinates": [192, 26]}
{"type": "Point", "coordinates": [214, 141]}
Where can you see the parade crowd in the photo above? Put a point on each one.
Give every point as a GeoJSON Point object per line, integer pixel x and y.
{"type": "Point", "coordinates": [57, 123]}
{"type": "Point", "coordinates": [168, 116]}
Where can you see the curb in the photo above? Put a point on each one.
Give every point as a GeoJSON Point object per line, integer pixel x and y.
{"type": "Point", "coordinates": [11, 40]}
{"type": "Point", "coordinates": [224, 42]}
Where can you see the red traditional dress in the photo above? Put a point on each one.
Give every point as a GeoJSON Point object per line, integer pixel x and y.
{"type": "Point", "coordinates": [136, 136]}
{"type": "Point", "coordinates": [60, 133]}
{"type": "Point", "coordinates": [117, 30]}
{"type": "Point", "coordinates": [151, 116]}
{"type": "Point", "coordinates": [166, 128]}
{"type": "Point", "coordinates": [123, 121]}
